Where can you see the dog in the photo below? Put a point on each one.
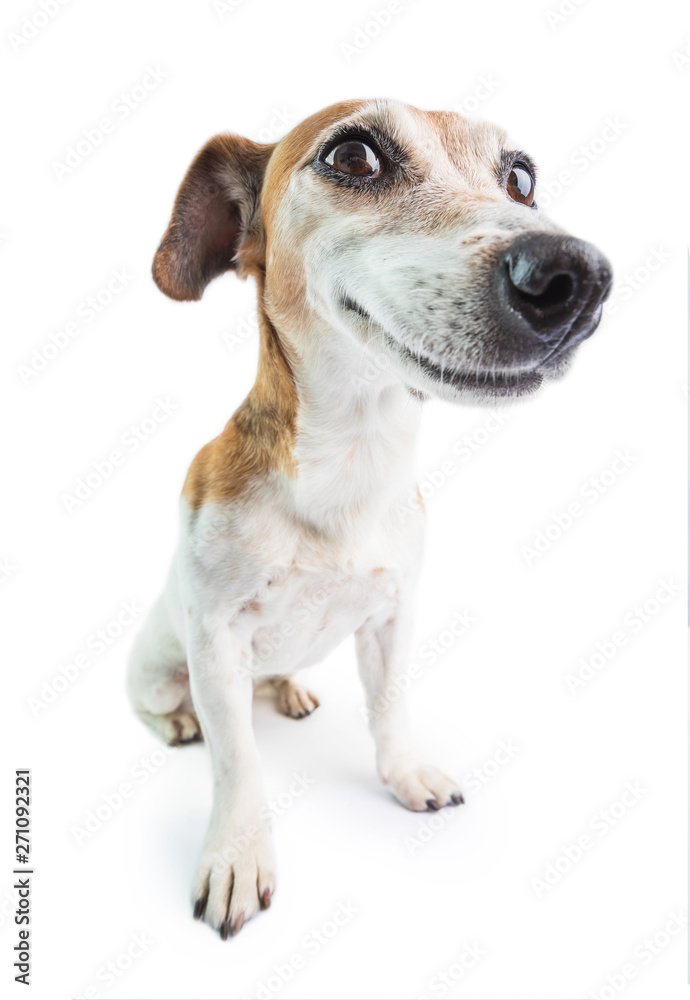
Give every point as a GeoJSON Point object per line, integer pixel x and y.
{"type": "Point", "coordinates": [398, 254]}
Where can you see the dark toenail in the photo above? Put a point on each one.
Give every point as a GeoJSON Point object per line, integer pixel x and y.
{"type": "Point", "coordinates": [432, 805]}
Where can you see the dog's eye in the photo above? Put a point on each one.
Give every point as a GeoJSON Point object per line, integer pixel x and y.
{"type": "Point", "coordinates": [521, 185]}
{"type": "Point", "coordinates": [354, 157]}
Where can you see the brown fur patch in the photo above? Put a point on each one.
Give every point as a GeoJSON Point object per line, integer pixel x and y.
{"type": "Point", "coordinates": [259, 437]}
{"type": "Point", "coordinates": [285, 294]}
{"type": "Point", "coordinates": [246, 184]}
{"type": "Point", "coordinates": [296, 148]}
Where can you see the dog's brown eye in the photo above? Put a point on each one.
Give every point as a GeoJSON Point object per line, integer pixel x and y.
{"type": "Point", "coordinates": [354, 157]}
{"type": "Point", "coordinates": [521, 185]}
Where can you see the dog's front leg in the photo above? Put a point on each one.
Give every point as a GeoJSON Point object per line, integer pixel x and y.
{"type": "Point", "coordinates": [382, 648]}
{"type": "Point", "coordinates": [235, 877]}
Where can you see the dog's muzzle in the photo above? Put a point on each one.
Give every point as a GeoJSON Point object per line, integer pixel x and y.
{"type": "Point", "coordinates": [549, 290]}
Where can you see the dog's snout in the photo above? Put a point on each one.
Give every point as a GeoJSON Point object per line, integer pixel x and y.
{"type": "Point", "coordinates": [549, 280]}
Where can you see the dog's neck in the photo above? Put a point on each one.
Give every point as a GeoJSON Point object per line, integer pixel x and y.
{"type": "Point", "coordinates": [352, 425]}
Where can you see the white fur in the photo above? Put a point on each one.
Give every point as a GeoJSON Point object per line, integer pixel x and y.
{"type": "Point", "coordinates": [317, 575]}
{"type": "Point", "coordinates": [273, 581]}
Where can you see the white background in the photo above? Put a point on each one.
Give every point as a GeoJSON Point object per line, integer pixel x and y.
{"type": "Point", "coordinates": [556, 81]}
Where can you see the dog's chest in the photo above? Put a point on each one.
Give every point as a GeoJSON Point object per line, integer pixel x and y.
{"type": "Point", "coordinates": [303, 613]}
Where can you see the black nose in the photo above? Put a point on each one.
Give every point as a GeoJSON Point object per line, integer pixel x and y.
{"type": "Point", "coordinates": [551, 280]}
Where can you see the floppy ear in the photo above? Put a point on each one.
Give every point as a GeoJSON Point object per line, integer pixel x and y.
{"type": "Point", "coordinates": [215, 223]}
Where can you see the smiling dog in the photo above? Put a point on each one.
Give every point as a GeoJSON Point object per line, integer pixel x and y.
{"type": "Point", "coordinates": [398, 254]}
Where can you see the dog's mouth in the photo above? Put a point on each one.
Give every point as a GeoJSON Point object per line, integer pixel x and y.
{"type": "Point", "coordinates": [495, 383]}
{"type": "Point", "coordinates": [499, 382]}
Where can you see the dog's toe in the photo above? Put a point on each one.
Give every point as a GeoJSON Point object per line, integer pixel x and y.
{"type": "Point", "coordinates": [295, 701]}
{"type": "Point", "coordinates": [422, 787]}
{"type": "Point", "coordinates": [175, 728]}
{"type": "Point", "coordinates": [231, 887]}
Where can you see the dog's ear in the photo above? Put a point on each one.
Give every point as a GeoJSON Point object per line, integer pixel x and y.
{"type": "Point", "coordinates": [215, 223]}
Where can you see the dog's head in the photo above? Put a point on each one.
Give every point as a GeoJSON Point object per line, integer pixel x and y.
{"type": "Point", "coordinates": [416, 234]}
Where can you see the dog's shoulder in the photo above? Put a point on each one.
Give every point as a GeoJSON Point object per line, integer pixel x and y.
{"type": "Point", "coordinates": [253, 444]}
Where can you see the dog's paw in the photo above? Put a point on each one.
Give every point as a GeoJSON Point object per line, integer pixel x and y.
{"type": "Point", "coordinates": [175, 728]}
{"type": "Point", "coordinates": [421, 786]}
{"type": "Point", "coordinates": [235, 880]}
{"type": "Point", "coordinates": [294, 700]}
